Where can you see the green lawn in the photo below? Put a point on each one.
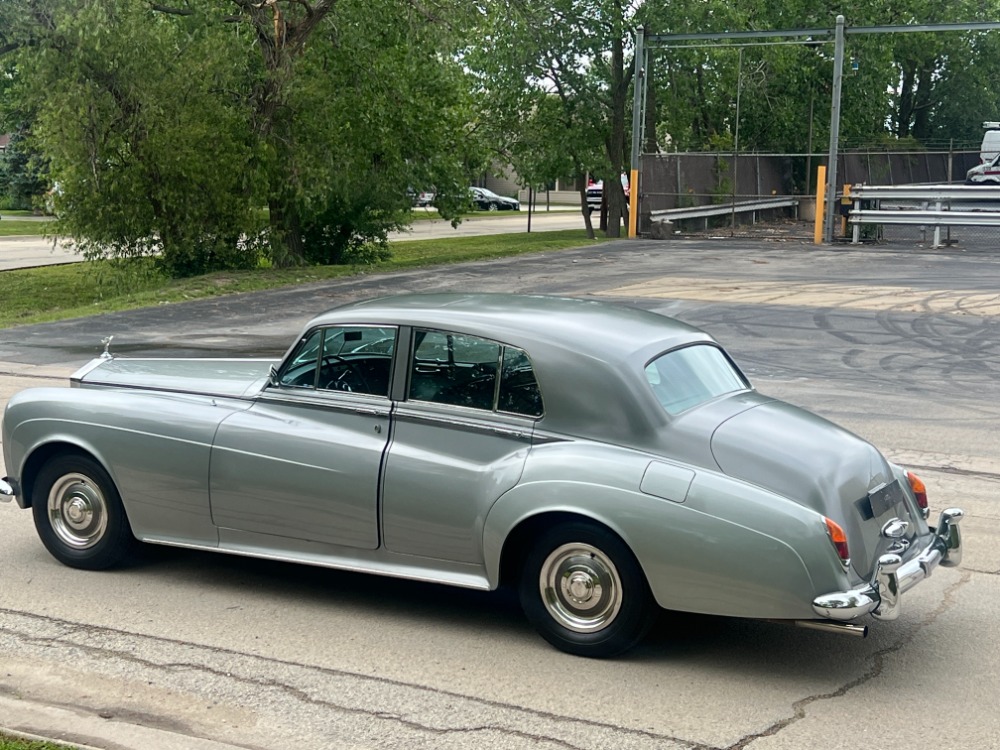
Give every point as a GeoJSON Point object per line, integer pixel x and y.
{"type": "Point", "coordinates": [15, 228]}
{"type": "Point", "coordinates": [37, 295]}
{"type": "Point", "coordinates": [12, 743]}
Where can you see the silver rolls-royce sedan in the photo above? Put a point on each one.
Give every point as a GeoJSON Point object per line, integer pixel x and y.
{"type": "Point", "coordinates": [605, 461]}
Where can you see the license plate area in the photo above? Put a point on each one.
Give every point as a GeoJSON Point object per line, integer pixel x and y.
{"type": "Point", "coordinates": [880, 500]}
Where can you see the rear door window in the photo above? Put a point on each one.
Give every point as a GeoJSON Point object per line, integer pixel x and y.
{"type": "Point", "coordinates": [462, 370]}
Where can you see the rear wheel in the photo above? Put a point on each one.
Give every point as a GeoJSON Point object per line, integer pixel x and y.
{"type": "Point", "coordinates": [583, 590]}
{"type": "Point", "coordinates": [79, 514]}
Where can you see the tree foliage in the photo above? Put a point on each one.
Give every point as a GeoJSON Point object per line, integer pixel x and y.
{"type": "Point", "coordinates": [23, 175]}
{"type": "Point", "coordinates": [170, 129]}
{"type": "Point", "coordinates": [555, 78]}
{"type": "Point", "coordinates": [927, 88]}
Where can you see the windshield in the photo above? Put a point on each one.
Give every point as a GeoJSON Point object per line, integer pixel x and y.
{"type": "Point", "coordinates": [690, 376]}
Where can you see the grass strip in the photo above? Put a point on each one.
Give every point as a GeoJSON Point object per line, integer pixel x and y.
{"type": "Point", "coordinates": [48, 293]}
{"type": "Point", "coordinates": [15, 228]}
{"type": "Point", "coordinates": [14, 743]}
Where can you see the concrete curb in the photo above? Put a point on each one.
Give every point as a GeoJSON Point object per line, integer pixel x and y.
{"type": "Point", "coordinates": [86, 731]}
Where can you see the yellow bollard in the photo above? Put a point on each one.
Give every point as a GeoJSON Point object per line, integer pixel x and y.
{"type": "Point", "coordinates": [633, 205]}
{"type": "Point", "coordinates": [820, 204]}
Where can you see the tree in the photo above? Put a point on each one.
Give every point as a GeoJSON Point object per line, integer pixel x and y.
{"type": "Point", "coordinates": [148, 158]}
{"type": "Point", "coordinates": [369, 107]}
{"type": "Point", "coordinates": [564, 68]}
{"type": "Point", "coordinates": [928, 87]}
{"type": "Point", "coordinates": [23, 175]}
{"type": "Point", "coordinates": [168, 128]}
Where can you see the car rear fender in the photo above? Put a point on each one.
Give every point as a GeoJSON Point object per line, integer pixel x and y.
{"type": "Point", "coordinates": [724, 547]}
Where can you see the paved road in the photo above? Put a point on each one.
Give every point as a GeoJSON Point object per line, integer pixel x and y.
{"type": "Point", "coordinates": [25, 252]}
{"type": "Point", "coordinates": [903, 346]}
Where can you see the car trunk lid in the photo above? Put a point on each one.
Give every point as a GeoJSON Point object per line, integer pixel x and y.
{"type": "Point", "coordinates": [822, 466]}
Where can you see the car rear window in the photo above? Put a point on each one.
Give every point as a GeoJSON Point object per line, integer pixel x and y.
{"type": "Point", "coordinates": [684, 378]}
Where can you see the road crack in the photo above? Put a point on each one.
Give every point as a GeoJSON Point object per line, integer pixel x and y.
{"type": "Point", "coordinates": [876, 669]}
{"type": "Point", "coordinates": [256, 664]}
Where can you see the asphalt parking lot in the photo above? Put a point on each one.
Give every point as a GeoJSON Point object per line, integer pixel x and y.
{"type": "Point", "coordinates": [898, 342]}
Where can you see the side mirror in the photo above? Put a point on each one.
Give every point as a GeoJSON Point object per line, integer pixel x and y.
{"type": "Point", "coordinates": [272, 376]}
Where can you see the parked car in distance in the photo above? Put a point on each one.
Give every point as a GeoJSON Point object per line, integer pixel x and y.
{"type": "Point", "coordinates": [422, 198]}
{"type": "Point", "coordinates": [601, 460]}
{"type": "Point", "coordinates": [487, 200]}
{"type": "Point", "coordinates": [595, 193]}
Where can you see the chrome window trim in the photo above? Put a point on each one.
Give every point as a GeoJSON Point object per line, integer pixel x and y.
{"type": "Point", "coordinates": [466, 418]}
{"type": "Point", "coordinates": [361, 403]}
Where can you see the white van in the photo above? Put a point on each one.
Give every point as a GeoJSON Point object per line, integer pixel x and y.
{"type": "Point", "coordinates": [988, 170]}
{"type": "Point", "coordinates": [991, 142]}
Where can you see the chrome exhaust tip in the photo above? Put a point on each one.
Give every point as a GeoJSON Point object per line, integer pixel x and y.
{"type": "Point", "coordinates": [832, 626]}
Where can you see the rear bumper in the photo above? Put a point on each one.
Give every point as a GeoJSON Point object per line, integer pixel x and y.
{"type": "Point", "coordinates": [8, 490]}
{"type": "Point", "coordinates": [892, 578]}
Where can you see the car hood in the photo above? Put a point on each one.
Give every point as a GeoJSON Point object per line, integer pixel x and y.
{"type": "Point", "coordinates": [816, 463]}
{"type": "Point", "coordinates": [213, 377]}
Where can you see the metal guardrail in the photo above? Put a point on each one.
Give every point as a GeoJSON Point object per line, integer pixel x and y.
{"type": "Point", "coordinates": [722, 209]}
{"type": "Point", "coordinates": [977, 206]}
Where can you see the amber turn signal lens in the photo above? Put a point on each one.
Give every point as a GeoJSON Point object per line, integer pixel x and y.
{"type": "Point", "coordinates": [839, 539]}
{"type": "Point", "coordinates": [919, 489]}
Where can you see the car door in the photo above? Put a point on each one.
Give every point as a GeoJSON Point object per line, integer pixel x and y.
{"type": "Point", "coordinates": [303, 462]}
{"type": "Point", "coordinates": [461, 434]}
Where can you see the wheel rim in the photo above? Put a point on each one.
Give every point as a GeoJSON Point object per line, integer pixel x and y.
{"type": "Point", "coordinates": [78, 511]}
{"type": "Point", "coordinates": [580, 587]}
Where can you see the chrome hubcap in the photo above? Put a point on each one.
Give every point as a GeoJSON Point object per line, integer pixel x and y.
{"type": "Point", "coordinates": [580, 587]}
{"type": "Point", "coordinates": [77, 511]}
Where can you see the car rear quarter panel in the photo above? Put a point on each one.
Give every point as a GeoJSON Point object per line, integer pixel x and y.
{"type": "Point", "coordinates": [724, 547]}
{"type": "Point", "coordinates": [155, 447]}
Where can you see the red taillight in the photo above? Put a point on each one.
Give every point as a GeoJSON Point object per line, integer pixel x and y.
{"type": "Point", "coordinates": [919, 489]}
{"type": "Point", "coordinates": [839, 539]}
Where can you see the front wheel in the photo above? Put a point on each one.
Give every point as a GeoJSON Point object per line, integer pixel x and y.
{"type": "Point", "coordinates": [79, 514]}
{"type": "Point", "coordinates": [584, 592]}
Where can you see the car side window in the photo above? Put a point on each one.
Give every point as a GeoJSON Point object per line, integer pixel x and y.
{"type": "Point", "coordinates": [354, 359]}
{"type": "Point", "coordinates": [452, 368]}
{"type": "Point", "coordinates": [519, 392]}
{"type": "Point", "coordinates": [460, 370]}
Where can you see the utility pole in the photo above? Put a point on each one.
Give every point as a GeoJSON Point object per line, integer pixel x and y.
{"type": "Point", "coordinates": [838, 77]}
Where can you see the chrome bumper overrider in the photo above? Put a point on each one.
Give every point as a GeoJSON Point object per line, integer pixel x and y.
{"type": "Point", "coordinates": [7, 491]}
{"type": "Point", "coordinates": [893, 577]}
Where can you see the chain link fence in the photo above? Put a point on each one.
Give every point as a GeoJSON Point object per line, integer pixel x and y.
{"type": "Point", "coordinates": [730, 188]}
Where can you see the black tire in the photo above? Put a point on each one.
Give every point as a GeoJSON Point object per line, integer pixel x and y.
{"type": "Point", "coordinates": [609, 610]}
{"type": "Point", "coordinates": [79, 514]}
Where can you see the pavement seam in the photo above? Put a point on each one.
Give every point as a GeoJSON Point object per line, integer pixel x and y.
{"type": "Point", "coordinates": [988, 475]}
{"type": "Point", "coordinates": [875, 670]}
{"type": "Point", "coordinates": [71, 628]}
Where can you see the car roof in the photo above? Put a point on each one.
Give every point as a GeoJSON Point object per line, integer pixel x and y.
{"type": "Point", "coordinates": [590, 327]}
